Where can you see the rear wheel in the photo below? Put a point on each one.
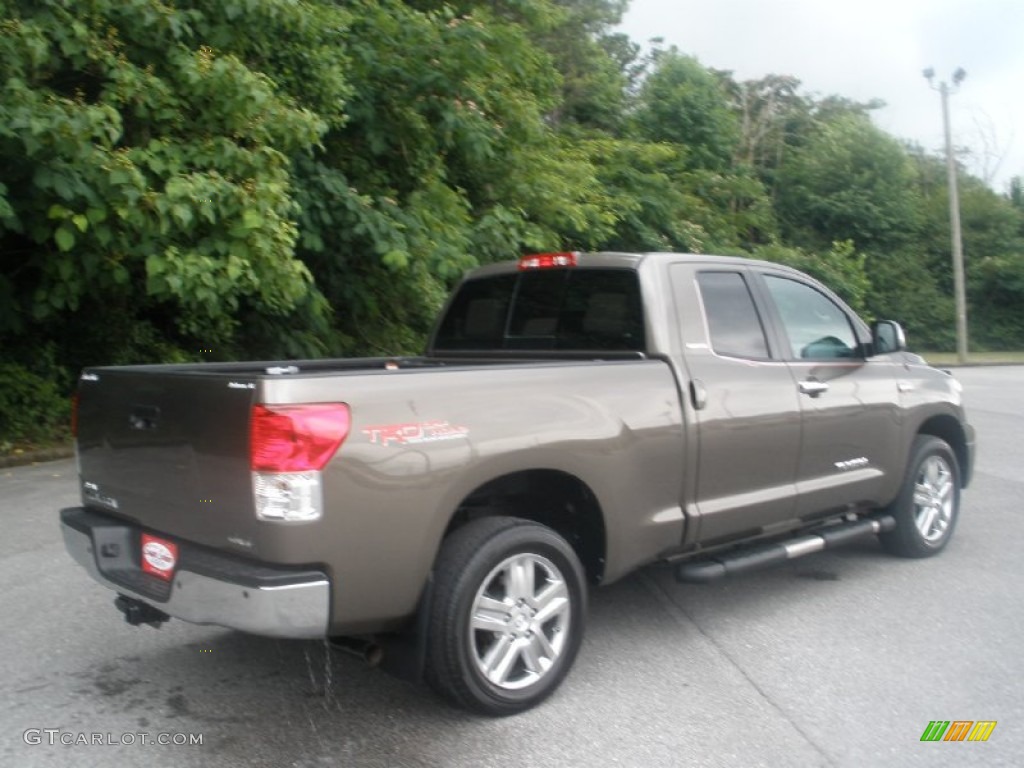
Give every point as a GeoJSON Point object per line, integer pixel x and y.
{"type": "Point", "coordinates": [927, 508]}
{"type": "Point", "coordinates": [507, 615]}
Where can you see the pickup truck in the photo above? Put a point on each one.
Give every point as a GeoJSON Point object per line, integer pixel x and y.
{"type": "Point", "coordinates": [574, 417]}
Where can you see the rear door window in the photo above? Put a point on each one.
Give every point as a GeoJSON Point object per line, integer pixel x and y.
{"type": "Point", "coordinates": [734, 325]}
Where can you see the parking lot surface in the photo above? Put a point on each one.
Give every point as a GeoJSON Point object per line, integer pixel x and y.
{"type": "Point", "coordinates": [838, 659]}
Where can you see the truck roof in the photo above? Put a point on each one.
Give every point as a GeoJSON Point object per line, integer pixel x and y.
{"type": "Point", "coordinates": [623, 260]}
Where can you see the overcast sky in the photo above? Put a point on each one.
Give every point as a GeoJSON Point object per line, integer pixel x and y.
{"type": "Point", "coordinates": [867, 49]}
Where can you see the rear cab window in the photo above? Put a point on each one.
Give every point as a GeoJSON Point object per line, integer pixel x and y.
{"type": "Point", "coordinates": [570, 309]}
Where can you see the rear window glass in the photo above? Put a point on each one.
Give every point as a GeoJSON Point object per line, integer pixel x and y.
{"type": "Point", "coordinates": [553, 309]}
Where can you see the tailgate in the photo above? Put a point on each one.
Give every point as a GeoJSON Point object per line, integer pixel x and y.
{"type": "Point", "coordinates": [168, 451]}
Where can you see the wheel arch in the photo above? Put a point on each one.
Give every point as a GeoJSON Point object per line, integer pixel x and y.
{"type": "Point", "coordinates": [949, 429]}
{"type": "Point", "coordinates": [550, 497]}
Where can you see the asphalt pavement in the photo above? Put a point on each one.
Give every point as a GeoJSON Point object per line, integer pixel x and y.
{"type": "Point", "coordinates": [838, 659]}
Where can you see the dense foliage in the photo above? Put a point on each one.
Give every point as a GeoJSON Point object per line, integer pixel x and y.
{"type": "Point", "coordinates": [215, 179]}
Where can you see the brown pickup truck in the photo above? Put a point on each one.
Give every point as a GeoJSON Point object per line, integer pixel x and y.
{"type": "Point", "coordinates": [575, 417]}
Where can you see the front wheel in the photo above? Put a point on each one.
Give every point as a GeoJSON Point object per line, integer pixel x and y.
{"type": "Point", "coordinates": [507, 615]}
{"type": "Point", "coordinates": [928, 505]}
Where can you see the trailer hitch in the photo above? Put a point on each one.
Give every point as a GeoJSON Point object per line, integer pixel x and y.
{"type": "Point", "coordinates": [137, 612]}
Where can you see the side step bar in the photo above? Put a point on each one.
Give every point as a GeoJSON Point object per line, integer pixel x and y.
{"type": "Point", "coordinates": [742, 560]}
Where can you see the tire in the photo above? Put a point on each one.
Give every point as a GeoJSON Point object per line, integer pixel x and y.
{"type": "Point", "coordinates": [928, 505]}
{"type": "Point", "coordinates": [507, 615]}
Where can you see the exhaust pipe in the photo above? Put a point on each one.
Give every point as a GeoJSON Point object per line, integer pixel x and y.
{"type": "Point", "coordinates": [367, 650]}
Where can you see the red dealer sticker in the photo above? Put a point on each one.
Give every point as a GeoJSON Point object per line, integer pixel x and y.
{"type": "Point", "coordinates": [159, 556]}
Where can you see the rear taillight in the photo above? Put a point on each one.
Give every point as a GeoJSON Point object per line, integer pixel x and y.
{"type": "Point", "coordinates": [296, 438]}
{"type": "Point", "coordinates": [549, 260]}
{"type": "Point", "coordinates": [288, 446]}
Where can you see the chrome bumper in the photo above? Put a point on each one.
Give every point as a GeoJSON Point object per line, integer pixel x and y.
{"type": "Point", "coordinates": [295, 610]}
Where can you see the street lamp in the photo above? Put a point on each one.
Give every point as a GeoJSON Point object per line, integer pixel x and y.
{"type": "Point", "coordinates": [954, 211]}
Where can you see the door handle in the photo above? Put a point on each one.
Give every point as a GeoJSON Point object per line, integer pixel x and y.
{"type": "Point", "coordinates": [812, 387]}
{"type": "Point", "coordinates": [698, 395]}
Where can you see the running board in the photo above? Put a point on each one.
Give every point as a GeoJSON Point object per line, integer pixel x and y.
{"type": "Point", "coordinates": [742, 560]}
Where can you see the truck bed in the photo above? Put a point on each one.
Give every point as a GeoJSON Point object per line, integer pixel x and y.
{"type": "Point", "coordinates": [165, 448]}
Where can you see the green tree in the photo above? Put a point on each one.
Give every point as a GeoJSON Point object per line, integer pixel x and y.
{"type": "Point", "coordinates": [992, 237]}
{"type": "Point", "coordinates": [654, 211]}
{"type": "Point", "coordinates": [146, 173]}
{"type": "Point", "coordinates": [683, 105]}
{"type": "Point", "coordinates": [905, 289]}
{"type": "Point", "coordinates": [594, 65]}
{"type": "Point", "coordinates": [681, 102]}
{"type": "Point", "coordinates": [1016, 193]}
{"type": "Point", "coordinates": [447, 159]}
{"type": "Point", "coordinates": [996, 292]}
{"type": "Point", "coordinates": [849, 181]}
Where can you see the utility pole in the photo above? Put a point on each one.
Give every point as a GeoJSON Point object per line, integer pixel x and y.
{"type": "Point", "coordinates": [959, 290]}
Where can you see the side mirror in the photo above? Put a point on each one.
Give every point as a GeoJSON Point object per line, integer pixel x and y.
{"type": "Point", "coordinates": [887, 336]}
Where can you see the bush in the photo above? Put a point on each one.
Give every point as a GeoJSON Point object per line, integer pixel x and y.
{"type": "Point", "coordinates": [905, 290]}
{"type": "Point", "coordinates": [32, 408]}
{"type": "Point", "coordinates": [996, 286]}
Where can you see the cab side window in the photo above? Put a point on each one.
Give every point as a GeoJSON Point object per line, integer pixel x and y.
{"type": "Point", "coordinates": [817, 327]}
{"type": "Point", "coordinates": [733, 323]}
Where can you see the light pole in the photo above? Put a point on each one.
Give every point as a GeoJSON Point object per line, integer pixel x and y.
{"type": "Point", "coordinates": [954, 212]}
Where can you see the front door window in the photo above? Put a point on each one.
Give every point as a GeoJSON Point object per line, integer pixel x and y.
{"type": "Point", "coordinates": [817, 328]}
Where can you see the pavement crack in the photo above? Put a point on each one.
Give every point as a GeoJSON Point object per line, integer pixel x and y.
{"type": "Point", "coordinates": [680, 615]}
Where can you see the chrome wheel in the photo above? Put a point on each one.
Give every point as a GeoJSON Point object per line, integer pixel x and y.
{"type": "Point", "coordinates": [520, 621]}
{"type": "Point", "coordinates": [507, 615]}
{"type": "Point", "coordinates": [934, 498]}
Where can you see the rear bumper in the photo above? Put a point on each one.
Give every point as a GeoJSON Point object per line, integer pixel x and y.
{"type": "Point", "coordinates": [208, 587]}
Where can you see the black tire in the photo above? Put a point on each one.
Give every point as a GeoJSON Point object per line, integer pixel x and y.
{"type": "Point", "coordinates": [928, 504]}
{"type": "Point", "coordinates": [526, 584]}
